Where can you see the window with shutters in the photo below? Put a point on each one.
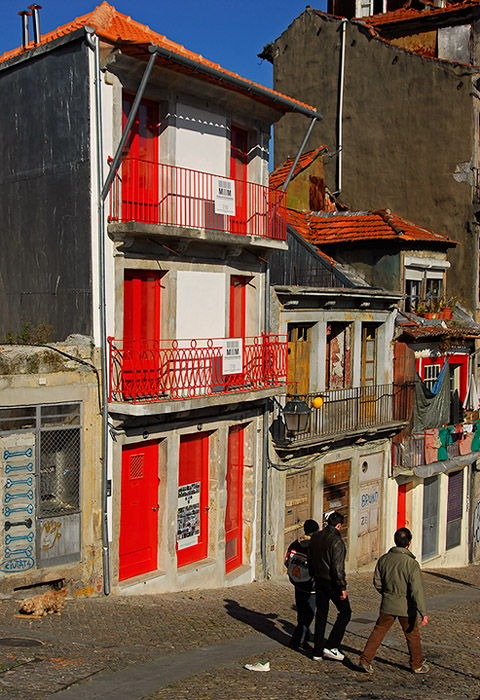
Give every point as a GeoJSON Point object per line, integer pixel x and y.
{"type": "Point", "coordinates": [454, 509]}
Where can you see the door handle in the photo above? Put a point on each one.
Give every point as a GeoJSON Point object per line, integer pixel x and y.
{"type": "Point", "coordinates": [155, 508]}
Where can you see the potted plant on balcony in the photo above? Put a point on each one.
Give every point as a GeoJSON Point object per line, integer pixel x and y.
{"type": "Point", "coordinates": [437, 308]}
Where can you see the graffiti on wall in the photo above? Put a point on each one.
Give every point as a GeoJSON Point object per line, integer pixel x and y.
{"type": "Point", "coordinates": [50, 532]}
{"type": "Point", "coordinates": [18, 504]}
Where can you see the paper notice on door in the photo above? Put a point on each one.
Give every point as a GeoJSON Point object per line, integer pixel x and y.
{"type": "Point", "coordinates": [224, 196]}
{"type": "Point", "coordinates": [233, 356]}
{"type": "Point", "coordinates": [188, 515]}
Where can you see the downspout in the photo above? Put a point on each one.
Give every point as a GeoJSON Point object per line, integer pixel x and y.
{"type": "Point", "coordinates": [93, 43]}
{"type": "Point", "coordinates": [265, 461]}
{"type": "Point", "coordinates": [263, 534]}
{"type": "Point", "coordinates": [341, 90]}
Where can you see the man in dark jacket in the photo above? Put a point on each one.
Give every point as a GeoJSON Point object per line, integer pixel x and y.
{"type": "Point", "coordinates": [296, 561]}
{"type": "Point", "coordinates": [399, 579]}
{"type": "Point", "coordinates": [327, 566]}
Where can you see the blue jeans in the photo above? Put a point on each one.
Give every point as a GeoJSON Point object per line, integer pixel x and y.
{"type": "Point", "coordinates": [325, 593]}
{"type": "Point", "coordinates": [305, 602]}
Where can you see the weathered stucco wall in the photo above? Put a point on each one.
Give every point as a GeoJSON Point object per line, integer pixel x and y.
{"type": "Point", "coordinates": [408, 129]}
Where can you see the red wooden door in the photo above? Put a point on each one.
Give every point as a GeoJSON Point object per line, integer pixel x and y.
{"type": "Point", "coordinates": [401, 505]}
{"type": "Point", "coordinates": [141, 330]}
{"type": "Point", "coordinates": [192, 512]}
{"type": "Point", "coordinates": [238, 285]}
{"type": "Point", "coordinates": [138, 542]}
{"type": "Point", "coordinates": [233, 512]}
{"type": "Point", "coordinates": [238, 172]}
{"type": "Point", "coordinates": [140, 198]}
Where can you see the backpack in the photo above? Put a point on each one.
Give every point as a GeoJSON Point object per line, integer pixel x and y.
{"type": "Point", "coordinates": [297, 567]}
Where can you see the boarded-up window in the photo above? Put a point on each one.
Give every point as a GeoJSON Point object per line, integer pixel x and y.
{"type": "Point", "coordinates": [338, 356]}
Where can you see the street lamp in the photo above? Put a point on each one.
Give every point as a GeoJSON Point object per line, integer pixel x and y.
{"type": "Point", "coordinates": [296, 414]}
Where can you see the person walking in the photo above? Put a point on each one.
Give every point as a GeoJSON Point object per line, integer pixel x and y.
{"type": "Point", "coordinates": [399, 580]}
{"type": "Point", "coordinates": [296, 561]}
{"type": "Point", "coordinates": [327, 565]}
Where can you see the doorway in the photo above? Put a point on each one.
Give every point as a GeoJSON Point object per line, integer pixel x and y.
{"type": "Point", "coordinates": [138, 542]}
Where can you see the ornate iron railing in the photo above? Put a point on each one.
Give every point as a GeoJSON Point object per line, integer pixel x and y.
{"type": "Point", "coordinates": [161, 370]}
{"type": "Point", "coordinates": [156, 193]}
{"type": "Point", "coordinates": [347, 410]}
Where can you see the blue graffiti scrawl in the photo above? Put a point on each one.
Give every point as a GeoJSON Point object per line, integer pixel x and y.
{"type": "Point", "coordinates": [18, 500]}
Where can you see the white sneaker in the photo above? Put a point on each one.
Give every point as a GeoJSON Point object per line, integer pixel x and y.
{"type": "Point", "coordinates": [333, 654]}
{"type": "Point", "coordinates": [259, 666]}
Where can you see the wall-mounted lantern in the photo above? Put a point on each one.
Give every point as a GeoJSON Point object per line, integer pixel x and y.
{"type": "Point", "coordinates": [296, 414]}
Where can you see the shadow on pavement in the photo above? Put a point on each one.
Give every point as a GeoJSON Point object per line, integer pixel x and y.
{"type": "Point", "coordinates": [452, 579]}
{"type": "Point", "coordinates": [266, 623]}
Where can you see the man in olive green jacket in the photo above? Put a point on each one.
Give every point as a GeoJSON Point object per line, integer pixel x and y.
{"type": "Point", "coordinates": [399, 579]}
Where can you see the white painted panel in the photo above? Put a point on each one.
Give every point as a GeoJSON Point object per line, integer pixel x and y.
{"type": "Point", "coordinates": [373, 468]}
{"type": "Point", "coordinates": [201, 140]}
{"type": "Point", "coordinates": [200, 304]}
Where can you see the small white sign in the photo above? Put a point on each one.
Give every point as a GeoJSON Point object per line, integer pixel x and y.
{"type": "Point", "coordinates": [233, 356]}
{"type": "Point", "coordinates": [224, 196]}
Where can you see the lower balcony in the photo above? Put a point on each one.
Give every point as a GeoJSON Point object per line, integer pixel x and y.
{"type": "Point", "coordinates": [350, 412]}
{"type": "Point", "coordinates": [145, 371]}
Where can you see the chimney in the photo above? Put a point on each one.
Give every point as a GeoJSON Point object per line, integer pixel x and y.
{"type": "Point", "coordinates": [25, 36]}
{"type": "Point", "coordinates": [36, 22]}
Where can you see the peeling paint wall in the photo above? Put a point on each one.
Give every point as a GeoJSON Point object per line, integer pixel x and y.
{"type": "Point", "coordinates": [408, 122]}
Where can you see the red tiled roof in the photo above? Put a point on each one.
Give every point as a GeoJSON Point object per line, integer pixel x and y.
{"type": "Point", "coordinates": [438, 332]}
{"type": "Point", "coordinates": [279, 175]}
{"type": "Point", "coordinates": [405, 14]}
{"type": "Point", "coordinates": [115, 27]}
{"type": "Point", "coordinates": [324, 228]}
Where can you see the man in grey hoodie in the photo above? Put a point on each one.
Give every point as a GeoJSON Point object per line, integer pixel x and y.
{"type": "Point", "coordinates": [399, 580]}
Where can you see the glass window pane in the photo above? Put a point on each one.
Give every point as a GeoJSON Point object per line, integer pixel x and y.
{"type": "Point", "coordinates": [60, 414]}
{"type": "Point", "coordinates": [59, 472]}
{"type": "Point", "coordinates": [17, 418]}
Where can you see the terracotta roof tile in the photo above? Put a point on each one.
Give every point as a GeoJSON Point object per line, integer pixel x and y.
{"type": "Point", "coordinates": [405, 14]}
{"type": "Point", "coordinates": [279, 175]}
{"type": "Point", "coordinates": [115, 27]}
{"type": "Point", "coordinates": [326, 228]}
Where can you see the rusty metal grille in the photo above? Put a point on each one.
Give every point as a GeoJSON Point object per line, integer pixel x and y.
{"type": "Point", "coordinates": [59, 473]}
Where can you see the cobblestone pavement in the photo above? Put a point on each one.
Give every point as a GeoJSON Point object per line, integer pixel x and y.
{"type": "Point", "coordinates": [96, 645]}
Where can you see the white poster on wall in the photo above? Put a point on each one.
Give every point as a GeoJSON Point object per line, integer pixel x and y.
{"type": "Point", "coordinates": [188, 515]}
{"type": "Point", "coordinates": [224, 196]}
{"type": "Point", "coordinates": [233, 356]}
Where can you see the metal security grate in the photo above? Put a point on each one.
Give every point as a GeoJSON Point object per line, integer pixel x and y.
{"type": "Point", "coordinates": [136, 467]}
{"type": "Point", "coordinates": [59, 476]}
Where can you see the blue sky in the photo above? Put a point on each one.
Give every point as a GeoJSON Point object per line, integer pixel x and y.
{"type": "Point", "coordinates": [229, 32]}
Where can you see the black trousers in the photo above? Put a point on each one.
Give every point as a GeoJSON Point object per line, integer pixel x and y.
{"type": "Point", "coordinates": [305, 603]}
{"type": "Point", "coordinates": [325, 593]}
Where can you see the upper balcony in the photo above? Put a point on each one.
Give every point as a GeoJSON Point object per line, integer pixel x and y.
{"type": "Point", "coordinates": [420, 449]}
{"type": "Point", "coordinates": [150, 198]}
{"type": "Point", "coordinates": [191, 371]}
{"type": "Point", "coordinates": [350, 413]}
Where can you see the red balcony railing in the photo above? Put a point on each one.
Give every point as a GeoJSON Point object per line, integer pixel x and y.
{"type": "Point", "coordinates": [161, 370]}
{"type": "Point", "coordinates": [155, 193]}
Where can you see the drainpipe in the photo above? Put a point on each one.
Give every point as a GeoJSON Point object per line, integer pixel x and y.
{"type": "Point", "coordinates": [93, 43]}
{"type": "Point", "coordinates": [264, 515]}
{"type": "Point", "coordinates": [266, 422]}
{"type": "Point", "coordinates": [340, 107]}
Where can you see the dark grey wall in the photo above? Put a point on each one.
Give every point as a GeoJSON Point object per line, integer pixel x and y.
{"type": "Point", "coordinates": [45, 256]}
{"type": "Point", "coordinates": [408, 123]}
